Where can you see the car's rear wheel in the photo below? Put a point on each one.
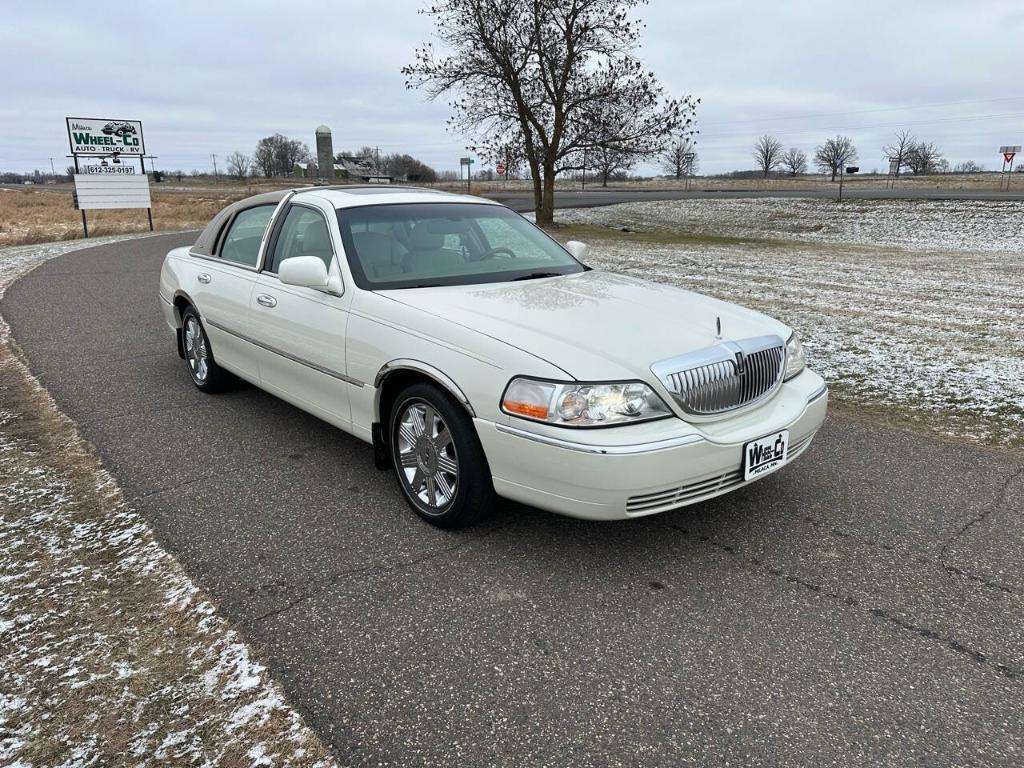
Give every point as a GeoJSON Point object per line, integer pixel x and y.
{"type": "Point", "coordinates": [440, 465]}
{"type": "Point", "coordinates": [202, 368]}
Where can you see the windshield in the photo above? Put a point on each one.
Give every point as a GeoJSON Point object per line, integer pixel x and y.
{"type": "Point", "coordinates": [422, 244]}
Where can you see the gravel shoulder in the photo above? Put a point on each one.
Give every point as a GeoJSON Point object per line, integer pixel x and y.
{"type": "Point", "coordinates": [111, 654]}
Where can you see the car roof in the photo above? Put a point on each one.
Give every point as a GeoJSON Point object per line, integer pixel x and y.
{"type": "Point", "coordinates": [340, 196]}
{"type": "Point", "coordinates": [352, 195]}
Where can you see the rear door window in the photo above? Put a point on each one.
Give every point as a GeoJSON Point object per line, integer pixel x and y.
{"type": "Point", "coordinates": [242, 243]}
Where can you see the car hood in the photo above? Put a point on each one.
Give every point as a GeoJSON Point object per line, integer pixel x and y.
{"type": "Point", "coordinates": [593, 325]}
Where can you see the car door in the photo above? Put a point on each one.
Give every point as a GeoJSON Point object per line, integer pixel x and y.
{"type": "Point", "coordinates": [301, 331]}
{"type": "Point", "coordinates": [222, 286]}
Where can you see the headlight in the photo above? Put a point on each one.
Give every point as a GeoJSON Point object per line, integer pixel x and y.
{"type": "Point", "coordinates": [583, 405]}
{"type": "Point", "coordinates": [796, 360]}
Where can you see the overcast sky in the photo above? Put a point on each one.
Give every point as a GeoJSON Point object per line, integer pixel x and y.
{"type": "Point", "coordinates": [214, 76]}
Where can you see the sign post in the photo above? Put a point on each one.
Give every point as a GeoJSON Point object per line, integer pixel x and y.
{"type": "Point", "coordinates": [894, 168]}
{"type": "Point", "coordinates": [688, 159]}
{"type": "Point", "coordinates": [849, 169]}
{"type": "Point", "coordinates": [109, 184]}
{"type": "Point", "coordinates": [1008, 152]}
{"type": "Point", "coordinates": [467, 163]}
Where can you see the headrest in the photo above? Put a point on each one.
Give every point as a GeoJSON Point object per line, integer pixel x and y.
{"type": "Point", "coordinates": [315, 238]}
{"type": "Point", "coordinates": [426, 237]}
{"type": "Point", "coordinates": [373, 246]}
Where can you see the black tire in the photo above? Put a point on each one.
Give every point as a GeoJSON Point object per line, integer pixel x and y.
{"type": "Point", "coordinates": [419, 456]}
{"type": "Point", "coordinates": [199, 361]}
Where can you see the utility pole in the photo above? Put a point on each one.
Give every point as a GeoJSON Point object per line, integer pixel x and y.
{"type": "Point", "coordinates": [52, 171]}
{"type": "Point", "coordinates": [376, 162]}
{"type": "Point", "coordinates": [216, 177]}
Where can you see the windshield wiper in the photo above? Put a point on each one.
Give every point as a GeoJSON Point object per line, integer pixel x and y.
{"type": "Point", "coordinates": [536, 275]}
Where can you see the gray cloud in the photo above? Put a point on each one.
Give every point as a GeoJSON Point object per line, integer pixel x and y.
{"type": "Point", "coordinates": [211, 77]}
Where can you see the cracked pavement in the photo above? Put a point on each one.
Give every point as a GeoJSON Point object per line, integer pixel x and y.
{"type": "Point", "coordinates": [862, 606]}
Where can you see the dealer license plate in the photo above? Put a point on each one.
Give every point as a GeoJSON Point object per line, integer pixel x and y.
{"type": "Point", "coordinates": [765, 454]}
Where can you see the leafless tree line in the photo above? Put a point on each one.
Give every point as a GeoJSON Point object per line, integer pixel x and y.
{"type": "Point", "coordinates": [830, 157]}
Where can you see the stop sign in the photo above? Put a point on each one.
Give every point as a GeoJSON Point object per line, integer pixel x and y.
{"type": "Point", "coordinates": [500, 168]}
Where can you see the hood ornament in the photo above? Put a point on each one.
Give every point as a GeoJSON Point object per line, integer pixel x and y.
{"type": "Point", "coordinates": [718, 327]}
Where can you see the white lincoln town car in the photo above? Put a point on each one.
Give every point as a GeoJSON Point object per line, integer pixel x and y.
{"type": "Point", "coordinates": [479, 356]}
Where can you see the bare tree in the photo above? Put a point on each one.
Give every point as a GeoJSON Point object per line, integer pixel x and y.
{"type": "Point", "coordinates": [924, 157]}
{"type": "Point", "coordinates": [767, 154]}
{"type": "Point", "coordinates": [794, 161]}
{"type": "Point", "coordinates": [968, 166]}
{"type": "Point", "coordinates": [277, 155]}
{"type": "Point", "coordinates": [238, 164]}
{"type": "Point", "coordinates": [679, 157]}
{"type": "Point", "coordinates": [897, 151]}
{"type": "Point", "coordinates": [836, 152]}
{"type": "Point", "coordinates": [547, 72]}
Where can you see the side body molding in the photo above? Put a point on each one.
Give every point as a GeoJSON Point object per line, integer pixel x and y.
{"type": "Point", "coordinates": [406, 364]}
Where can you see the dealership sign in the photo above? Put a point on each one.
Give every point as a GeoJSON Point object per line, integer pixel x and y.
{"type": "Point", "coordinates": [111, 191]}
{"type": "Point", "coordinates": [90, 136]}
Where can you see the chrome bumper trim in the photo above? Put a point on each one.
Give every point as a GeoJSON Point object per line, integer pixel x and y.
{"type": "Point", "coordinates": [166, 301]}
{"type": "Point", "coordinates": [821, 392]}
{"type": "Point", "coordinates": [607, 450]}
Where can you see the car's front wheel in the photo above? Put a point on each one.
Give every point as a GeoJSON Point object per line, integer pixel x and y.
{"type": "Point", "coordinates": [438, 459]}
{"type": "Point", "coordinates": [203, 369]}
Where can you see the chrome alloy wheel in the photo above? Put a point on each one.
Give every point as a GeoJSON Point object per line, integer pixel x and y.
{"type": "Point", "coordinates": [195, 350]}
{"type": "Point", "coordinates": [429, 465]}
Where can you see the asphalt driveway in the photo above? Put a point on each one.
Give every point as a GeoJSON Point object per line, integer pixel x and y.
{"type": "Point", "coordinates": [863, 606]}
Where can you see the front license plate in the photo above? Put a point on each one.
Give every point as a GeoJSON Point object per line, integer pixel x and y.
{"type": "Point", "coordinates": [765, 454]}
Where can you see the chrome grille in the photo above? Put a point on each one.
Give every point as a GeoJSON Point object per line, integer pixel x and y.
{"type": "Point", "coordinates": [726, 376]}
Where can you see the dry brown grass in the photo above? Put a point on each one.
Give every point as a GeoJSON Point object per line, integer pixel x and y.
{"type": "Point", "coordinates": [44, 215]}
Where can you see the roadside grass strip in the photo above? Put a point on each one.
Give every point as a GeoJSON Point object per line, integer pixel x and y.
{"type": "Point", "coordinates": [911, 310]}
{"type": "Point", "coordinates": [110, 653]}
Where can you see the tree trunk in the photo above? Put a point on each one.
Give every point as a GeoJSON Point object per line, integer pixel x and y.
{"type": "Point", "coordinates": [546, 209]}
{"type": "Point", "coordinates": [604, 179]}
{"type": "Point", "coordinates": [834, 172]}
{"type": "Point", "coordinates": [538, 196]}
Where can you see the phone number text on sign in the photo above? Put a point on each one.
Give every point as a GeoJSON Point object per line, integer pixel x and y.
{"type": "Point", "coordinates": [109, 169]}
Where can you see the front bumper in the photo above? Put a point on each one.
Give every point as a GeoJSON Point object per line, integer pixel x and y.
{"type": "Point", "coordinates": [610, 475]}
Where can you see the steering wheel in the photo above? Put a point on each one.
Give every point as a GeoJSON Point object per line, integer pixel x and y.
{"type": "Point", "coordinates": [500, 250]}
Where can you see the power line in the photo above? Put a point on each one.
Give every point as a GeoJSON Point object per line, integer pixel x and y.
{"type": "Point", "coordinates": [705, 139]}
{"type": "Point", "coordinates": [905, 107]}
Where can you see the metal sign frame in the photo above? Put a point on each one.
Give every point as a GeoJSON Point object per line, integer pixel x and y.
{"type": "Point", "coordinates": [117, 155]}
{"type": "Point", "coordinates": [1008, 152]}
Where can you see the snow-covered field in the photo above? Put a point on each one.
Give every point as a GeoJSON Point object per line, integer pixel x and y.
{"type": "Point", "coordinates": [110, 654]}
{"type": "Point", "coordinates": [959, 225]}
{"type": "Point", "coordinates": [912, 305]}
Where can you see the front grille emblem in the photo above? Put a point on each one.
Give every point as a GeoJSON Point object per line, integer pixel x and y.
{"type": "Point", "coordinates": [727, 375]}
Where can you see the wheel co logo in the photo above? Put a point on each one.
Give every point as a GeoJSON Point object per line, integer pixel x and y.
{"type": "Point", "coordinates": [762, 454]}
{"type": "Point", "coordinates": [89, 136]}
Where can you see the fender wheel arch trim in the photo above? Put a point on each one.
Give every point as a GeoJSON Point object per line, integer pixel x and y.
{"type": "Point", "coordinates": [438, 376]}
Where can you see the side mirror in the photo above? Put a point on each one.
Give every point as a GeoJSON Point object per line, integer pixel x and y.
{"type": "Point", "coordinates": [307, 271]}
{"type": "Point", "coordinates": [577, 249]}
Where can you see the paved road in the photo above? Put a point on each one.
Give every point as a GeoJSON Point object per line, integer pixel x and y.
{"type": "Point", "coordinates": [523, 201]}
{"type": "Point", "coordinates": [861, 607]}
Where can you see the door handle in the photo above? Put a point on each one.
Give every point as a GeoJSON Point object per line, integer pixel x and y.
{"type": "Point", "coordinates": [266, 301]}
{"type": "Point", "coordinates": [203, 278]}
